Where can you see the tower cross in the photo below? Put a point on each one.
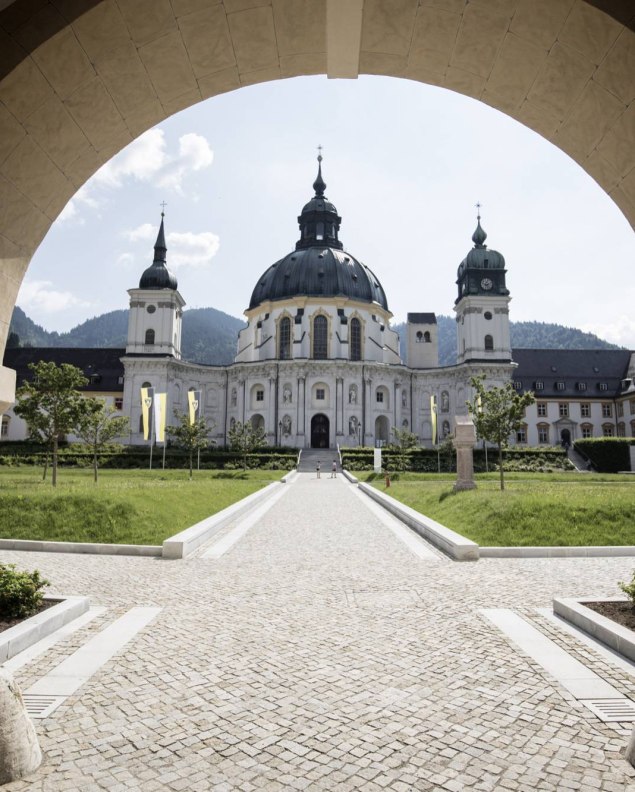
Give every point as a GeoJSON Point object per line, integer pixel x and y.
{"type": "Point", "coordinates": [478, 209]}
{"type": "Point", "coordinates": [319, 153]}
{"type": "Point", "coordinates": [163, 205]}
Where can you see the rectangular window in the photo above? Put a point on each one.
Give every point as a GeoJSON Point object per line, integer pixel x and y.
{"type": "Point", "coordinates": [542, 409]}
{"type": "Point", "coordinates": [5, 426]}
{"type": "Point", "coordinates": [607, 430]}
{"type": "Point", "coordinates": [632, 403]}
{"type": "Point", "coordinates": [603, 386]}
{"type": "Point", "coordinates": [560, 386]}
{"type": "Point", "coordinates": [118, 403]}
{"type": "Point", "coordinates": [581, 386]}
{"type": "Point", "coordinates": [585, 410]}
{"type": "Point", "coordinates": [607, 412]}
{"type": "Point", "coordinates": [587, 430]}
{"type": "Point", "coordinates": [319, 394]}
{"type": "Point", "coordinates": [521, 435]}
{"type": "Point", "coordinates": [540, 386]}
{"type": "Point", "coordinates": [518, 385]}
{"type": "Point", "coordinates": [620, 409]}
{"type": "Point", "coordinates": [380, 396]}
{"type": "Point", "coordinates": [564, 410]}
{"type": "Point", "coordinates": [260, 395]}
{"type": "Point", "coordinates": [543, 434]}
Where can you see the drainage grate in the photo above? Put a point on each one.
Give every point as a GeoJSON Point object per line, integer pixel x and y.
{"type": "Point", "coordinates": [612, 710]}
{"type": "Point", "coordinates": [41, 706]}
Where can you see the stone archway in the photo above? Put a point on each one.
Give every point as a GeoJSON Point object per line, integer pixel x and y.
{"type": "Point", "coordinates": [81, 80]}
{"type": "Point", "coordinates": [320, 431]}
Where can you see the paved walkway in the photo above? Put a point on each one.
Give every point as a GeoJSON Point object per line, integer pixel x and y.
{"type": "Point", "coordinates": [320, 652]}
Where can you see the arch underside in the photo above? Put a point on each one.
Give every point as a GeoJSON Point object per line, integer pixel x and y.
{"type": "Point", "coordinates": [80, 79]}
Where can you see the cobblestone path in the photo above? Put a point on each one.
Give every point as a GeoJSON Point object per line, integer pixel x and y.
{"type": "Point", "coordinates": [321, 654]}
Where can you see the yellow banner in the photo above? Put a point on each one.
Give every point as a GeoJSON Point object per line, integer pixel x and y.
{"type": "Point", "coordinates": [160, 405]}
{"type": "Point", "coordinates": [194, 403]}
{"type": "Point", "coordinates": [433, 418]}
{"type": "Point", "coordinates": [146, 407]}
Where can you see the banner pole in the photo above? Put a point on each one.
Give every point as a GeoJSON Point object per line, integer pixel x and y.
{"type": "Point", "coordinates": [198, 461]}
{"type": "Point", "coordinates": [164, 445]}
{"type": "Point", "coordinates": [151, 441]}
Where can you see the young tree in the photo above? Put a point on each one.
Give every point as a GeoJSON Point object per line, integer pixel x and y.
{"type": "Point", "coordinates": [190, 437]}
{"type": "Point", "coordinates": [51, 404]}
{"type": "Point", "coordinates": [99, 426]}
{"type": "Point", "coordinates": [245, 438]}
{"type": "Point", "coordinates": [404, 439]}
{"type": "Point", "coordinates": [497, 414]}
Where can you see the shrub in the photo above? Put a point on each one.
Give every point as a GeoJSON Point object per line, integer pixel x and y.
{"type": "Point", "coordinates": [20, 592]}
{"type": "Point", "coordinates": [629, 590]}
{"type": "Point", "coordinates": [608, 454]}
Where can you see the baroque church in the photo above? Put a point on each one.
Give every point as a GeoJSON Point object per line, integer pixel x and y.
{"type": "Point", "coordinates": [319, 366]}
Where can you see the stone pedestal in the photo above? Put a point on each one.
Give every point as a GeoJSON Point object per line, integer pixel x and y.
{"type": "Point", "coordinates": [464, 441]}
{"type": "Point", "coordinates": [19, 748]}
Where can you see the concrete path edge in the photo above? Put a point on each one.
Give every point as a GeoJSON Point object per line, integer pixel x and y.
{"type": "Point", "coordinates": [186, 542]}
{"type": "Point", "coordinates": [446, 540]}
{"type": "Point", "coordinates": [17, 639]}
{"type": "Point", "coordinates": [42, 546]}
{"type": "Point", "coordinates": [616, 637]}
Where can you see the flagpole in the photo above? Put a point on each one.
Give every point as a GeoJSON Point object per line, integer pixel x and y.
{"type": "Point", "coordinates": [151, 439]}
{"type": "Point", "coordinates": [164, 445]}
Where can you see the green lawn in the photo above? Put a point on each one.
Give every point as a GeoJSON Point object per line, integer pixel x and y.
{"type": "Point", "coordinates": [535, 509]}
{"type": "Point", "coordinates": [125, 507]}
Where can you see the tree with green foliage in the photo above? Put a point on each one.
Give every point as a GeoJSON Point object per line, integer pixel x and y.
{"type": "Point", "coordinates": [497, 413]}
{"type": "Point", "coordinates": [99, 426]}
{"type": "Point", "coordinates": [51, 405]}
{"type": "Point", "coordinates": [246, 438]}
{"type": "Point", "coordinates": [191, 437]}
{"type": "Point", "coordinates": [20, 592]}
{"type": "Point", "coordinates": [403, 440]}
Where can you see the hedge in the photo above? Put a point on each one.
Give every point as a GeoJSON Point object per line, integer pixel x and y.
{"type": "Point", "coordinates": [607, 454]}
{"type": "Point", "coordinates": [426, 460]}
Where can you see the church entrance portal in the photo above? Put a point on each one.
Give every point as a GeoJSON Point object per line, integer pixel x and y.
{"type": "Point", "coordinates": [565, 437]}
{"type": "Point", "coordinates": [319, 431]}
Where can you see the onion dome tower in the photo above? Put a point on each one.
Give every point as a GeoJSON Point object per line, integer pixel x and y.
{"type": "Point", "coordinates": [482, 305]}
{"type": "Point", "coordinates": [156, 308]}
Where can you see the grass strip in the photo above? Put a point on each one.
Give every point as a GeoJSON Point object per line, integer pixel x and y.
{"type": "Point", "coordinates": [534, 510]}
{"type": "Point", "coordinates": [125, 507]}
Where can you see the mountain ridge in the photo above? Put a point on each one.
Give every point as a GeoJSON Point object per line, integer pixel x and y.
{"type": "Point", "coordinates": [209, 335]}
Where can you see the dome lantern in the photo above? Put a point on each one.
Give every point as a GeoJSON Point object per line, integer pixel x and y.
{"type": "Point", "coordinates": [319, 222]}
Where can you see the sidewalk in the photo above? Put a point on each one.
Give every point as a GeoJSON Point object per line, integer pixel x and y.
{"type": "Point", "coordinates": [321, 653]}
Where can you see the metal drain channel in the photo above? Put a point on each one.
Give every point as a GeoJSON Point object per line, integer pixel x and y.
{"type": "Point", "coordinates": [612, 710]}
{"type": "Point", "coordinates": [41, 706]}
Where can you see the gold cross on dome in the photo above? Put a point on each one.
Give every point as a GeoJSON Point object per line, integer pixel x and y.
{"type": "Point", "coordinates": [163, 205]}
{"type": "Point", "coordinates": [319, 153]}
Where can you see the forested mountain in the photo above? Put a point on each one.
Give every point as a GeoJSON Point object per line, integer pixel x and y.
{"type": "Point", "coordinates": [524, 335]}
{"type": "Point", "coordinates": [209, 336]}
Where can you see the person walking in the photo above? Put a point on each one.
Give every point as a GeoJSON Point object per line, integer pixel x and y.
{"type": "Point", "coordinates": [317, 468]}
{"type": "Point", "coordinates": [334, 469]}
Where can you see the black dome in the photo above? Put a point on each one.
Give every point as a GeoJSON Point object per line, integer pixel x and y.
{"type": "Point", "coordinates": [319, 266]}
{"type": "Point", "coordinates": [318, 271]}
{"type": "Point", "coordinates": [480, 257]}
{"type": "Point", "coordinates": [158, 276]}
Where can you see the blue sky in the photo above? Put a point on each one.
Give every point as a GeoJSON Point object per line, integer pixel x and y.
{"type": "Point", "coordinates": [404, 163]}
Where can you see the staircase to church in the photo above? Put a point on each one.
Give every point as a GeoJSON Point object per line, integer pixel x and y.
{"type": "Point", "coordinates": [310, 456]}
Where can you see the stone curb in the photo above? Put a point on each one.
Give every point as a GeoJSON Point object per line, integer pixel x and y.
{"type": "Point", "coordinates": [611, 551]}
{"type": "Point", "coordinates": [39, 546]}
{"type": "Point", "coordinates": [616, 637]}
{"type": "Point", "coordinates": [450, 542]}
{"type": "Point", "coordinates": [17, 639]}
{"type": "Point", "coordinates": [353, 479]}
{"type": "Point", "coordinates": [186, 542]}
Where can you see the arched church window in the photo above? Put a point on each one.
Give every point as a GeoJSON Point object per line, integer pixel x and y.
{"type": "Point", "coordinates": [426, 337]}
{"type": "Point", "coordinates": [320, 337]}
{"type": "Point", "coordinates": [489, 343]}
{"type": "Point", "coordinates": [419, 337]}
{"type": "Point", "coordinates": [149, 337]}
{"type": "Point", "coordinates": [319, 230]}
{"type": "Point", "coordinates": [356, 339]}
{"type": "Point", "coordinates": [284, 342]}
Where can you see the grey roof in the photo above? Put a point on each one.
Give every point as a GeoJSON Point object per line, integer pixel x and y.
{"type": "Point", "coordinates": [591, 367]}
{"type": "Point", "coordinates": [103, 367]}
{"type": "Point", "coordinates": [318, 271]}
{"type": "Point", "coordinates": [422, 318]}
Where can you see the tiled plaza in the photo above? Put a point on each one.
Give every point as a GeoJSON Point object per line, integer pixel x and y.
{"type": "Point", "coordinates": [322, 652]}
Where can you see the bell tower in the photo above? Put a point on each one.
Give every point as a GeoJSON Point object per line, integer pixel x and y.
{"type": "Point", "coordinates": [482, 305]}
{"type": "Point", "coordinates": [156, 309]}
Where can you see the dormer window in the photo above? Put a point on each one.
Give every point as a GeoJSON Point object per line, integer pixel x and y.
{"type": "Point", "coordinates": [518, 385]}
{"type": "Point", "coordinates": [539, 386]}
{"type": "Point", "coordinates": [560, 386]}
{"type": "Point", "coordinates": [581, 386]}
{"type": "Point", "coordinates": [603, 386]}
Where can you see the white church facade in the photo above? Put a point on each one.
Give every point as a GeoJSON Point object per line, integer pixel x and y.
{"type": "Point", "coordinates": [318, 364]}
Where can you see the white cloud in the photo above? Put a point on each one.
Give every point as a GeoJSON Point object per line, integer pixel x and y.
{"type": "Point", "coordinates": [620, 331]}
{"type": "Point", "coordinates": [71, 211]}
{"type": "Point", "coordinates": [39, 296]}
{"type": "Point", "coordinates": [143, 233]}
{"type": "Point", "coordinates": [125, 260]}
{"type": "Point", "coordinates": [192, 250]}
